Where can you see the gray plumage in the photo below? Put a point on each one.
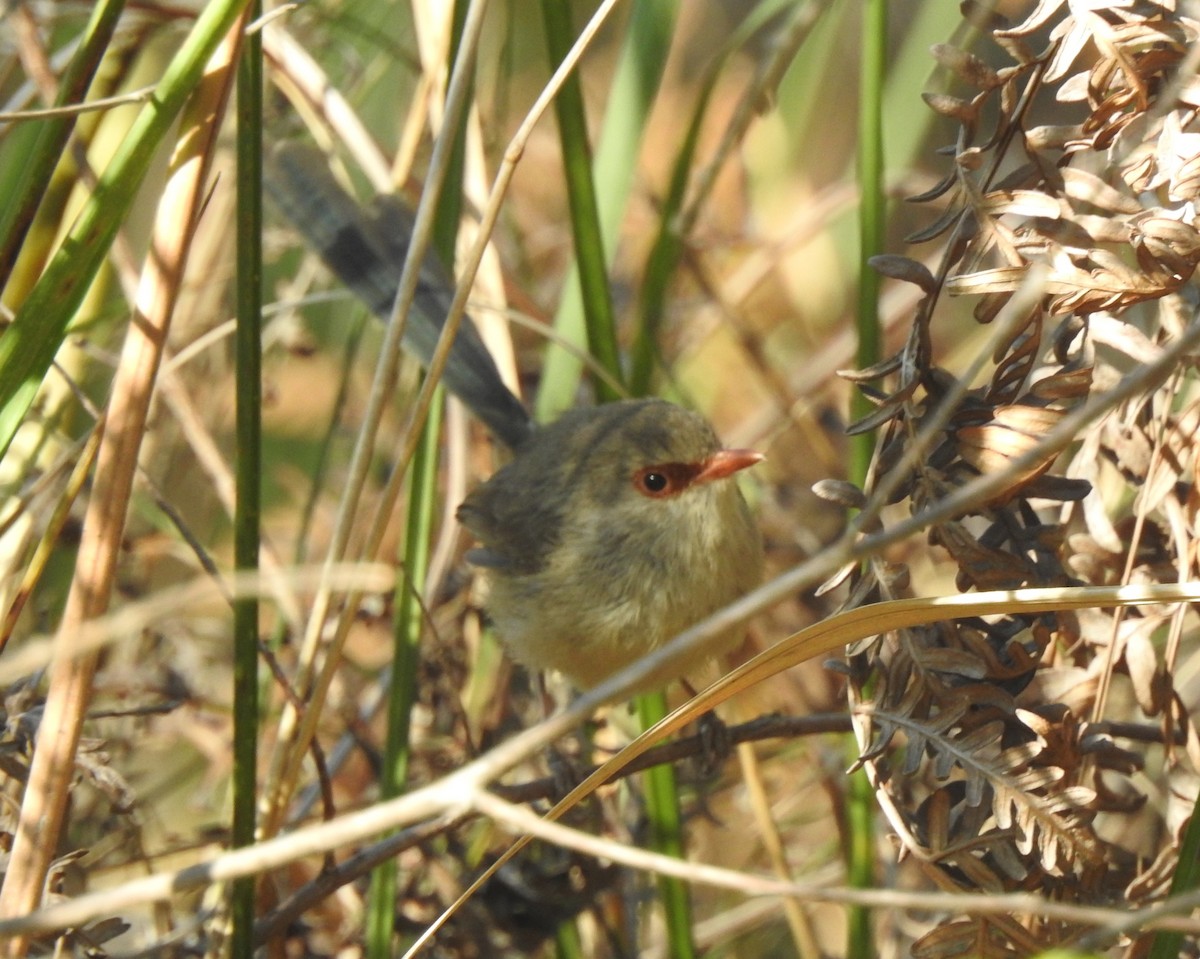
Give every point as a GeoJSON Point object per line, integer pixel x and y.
{"type": "Point", "coordinates": [365, 249]}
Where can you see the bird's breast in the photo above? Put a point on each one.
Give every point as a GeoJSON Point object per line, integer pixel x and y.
{"type": "Point", "coordinates": [616, 587]}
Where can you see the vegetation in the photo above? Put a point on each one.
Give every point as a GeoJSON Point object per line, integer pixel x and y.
{"type": "Point", "coordinates": [1003, 585]}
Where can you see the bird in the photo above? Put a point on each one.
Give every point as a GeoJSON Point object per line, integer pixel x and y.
{"type": "Point", "coordinates": [611, 529]}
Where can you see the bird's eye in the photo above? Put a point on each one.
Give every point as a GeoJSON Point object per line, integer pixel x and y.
{"type": "Point", "coordinates": [666, 479]}
{"type": "Point", "coordinates": [653, 482]}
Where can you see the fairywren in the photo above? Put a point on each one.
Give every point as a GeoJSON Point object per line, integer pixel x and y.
{"type": "Point", "coordinates": [612, 529]}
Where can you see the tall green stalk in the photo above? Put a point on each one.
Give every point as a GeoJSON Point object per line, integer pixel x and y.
{"type": "Point", "coordinates": [631, 96]}
{"type": "Point", "coordinates": [666, 834]}
{"type": "Point", "coordinates": [248, 511]}
{"type": "Point", "coordinates": [645, 54]}
{"type": "Point", "coordinates": [591, 264]}
{"type": "Point", "coordinates": [664, 256]}
{"type": "Point", "coordinates": [414, 566]}
{"type": "Point", "coordinates": [1166, 945]}
{"type": "Point", "coordinates": [860, 813]}
{"type": "Point", "coordinates": [668, 245]}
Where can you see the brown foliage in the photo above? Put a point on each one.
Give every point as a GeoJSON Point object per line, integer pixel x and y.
{"type": "Point", "coordinates": [1083, 239]}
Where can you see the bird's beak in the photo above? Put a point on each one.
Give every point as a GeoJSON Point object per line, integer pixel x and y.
{"type": "Point", "coordinates": [725, 463]}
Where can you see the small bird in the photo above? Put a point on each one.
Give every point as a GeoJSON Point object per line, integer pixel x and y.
{"type": "Point", "coordinates": [612, 529]}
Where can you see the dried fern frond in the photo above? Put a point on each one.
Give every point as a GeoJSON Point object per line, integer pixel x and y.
{"type": "Point", "coordinates": [1075, 167]}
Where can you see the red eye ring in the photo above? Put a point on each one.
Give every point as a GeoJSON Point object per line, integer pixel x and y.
{"type": "Point", "coordinates": [663, 479]}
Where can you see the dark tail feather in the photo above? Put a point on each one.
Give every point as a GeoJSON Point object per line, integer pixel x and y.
{"type": "Point", "coordinates": [366, 249]}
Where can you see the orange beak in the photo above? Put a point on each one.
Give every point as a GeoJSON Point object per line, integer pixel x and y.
{"type": "Point", "coordinates": [725, 463]}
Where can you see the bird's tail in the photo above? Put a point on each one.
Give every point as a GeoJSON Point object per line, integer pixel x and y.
{"type": "Point", "coordinates": [365, 248]}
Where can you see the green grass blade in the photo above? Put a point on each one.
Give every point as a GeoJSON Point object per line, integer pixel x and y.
{"type": "Point", "coordinates": [1167, 945]}
{"type": "Point", "coordinates": [666, 835]}
{"type": "Point", "coordinates": [31, 341]}
{"type": "Point", "coordinates": [32, 176]}
{"type": "Point", "coordinates": [414, 562]}
{"type": "Point", "coordinates": [860, 797]}
{"type": "Point", "coordinates": [591, 264]}
{"type": "Point", "coordinates": [402, 696]}
{"type": "Point", "coordinates": [664, 254]}
{"type": "Point", "coordinates": [248, 513]}
{"type": "Point", "coordinates": [634, 87]}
